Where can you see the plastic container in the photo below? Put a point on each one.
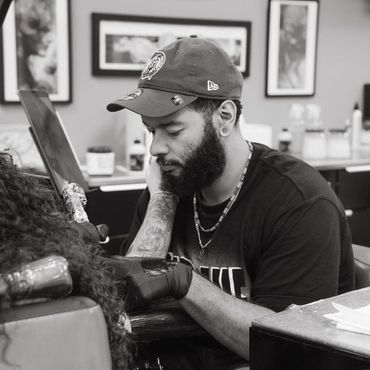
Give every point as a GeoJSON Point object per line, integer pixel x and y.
{"type": "Point", "coordinates": [339, 143]}
{"type": "Point", "coordinates": [314, 144]}
{"type": "Point", "coordinates": [296, 127]}
{"type": "Point", "coordinates": [285, 140]}
{"type": "Point", "coordinates": [137, 153]}
{"type": "Point", "coordinates": [356, 124]}
{"type": "Point", "coordinates": [100, 161]}
{"type": "Point", "coordinates": [313, 116]}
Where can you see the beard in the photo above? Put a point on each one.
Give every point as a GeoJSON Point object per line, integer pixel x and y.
{"type": "Point", "coordinates": [205, 163]}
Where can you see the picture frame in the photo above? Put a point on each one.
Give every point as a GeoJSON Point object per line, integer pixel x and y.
{"type": "Point", "coordinates": [4, 6]}
{"type": "Point", "coordinates": [36, 52]}
{"type": "Point", "coordinates": [292, 30]}
{"type": "Point", "coordinates": [122, 44]}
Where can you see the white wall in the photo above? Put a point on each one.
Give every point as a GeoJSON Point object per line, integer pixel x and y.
{"type": "Point", "coordinates": [343, 66]}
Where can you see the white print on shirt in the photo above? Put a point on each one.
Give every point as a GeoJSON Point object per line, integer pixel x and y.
{"type": "Point", "coordinates": [229, 279]}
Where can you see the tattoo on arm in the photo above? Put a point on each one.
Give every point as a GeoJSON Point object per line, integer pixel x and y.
{"type": "Point", "coordinates": [154, 236]}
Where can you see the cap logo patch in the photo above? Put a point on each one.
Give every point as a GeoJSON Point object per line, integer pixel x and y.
{"type": "Point", "coordinates": [132, 95]}
{"type": "Point", "coordinates": [212, 86]}
{"type": "Point", "coordinates": [154, 65]}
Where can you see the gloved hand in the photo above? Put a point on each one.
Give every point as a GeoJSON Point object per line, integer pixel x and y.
{"type": "Point", "coordinates": [151, 278]}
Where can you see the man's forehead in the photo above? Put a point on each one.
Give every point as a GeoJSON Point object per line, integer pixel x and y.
{"type": "Point", "coordinates": [176, 118]}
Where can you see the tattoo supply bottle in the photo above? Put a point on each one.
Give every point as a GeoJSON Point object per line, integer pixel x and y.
{"type": "Point", "coordinates": [356, 126]}
{"type": "Point", "coordinates": [137, 153]}
{"type": "Point", "coordinates": [284, 140]}
{"type": "Point", "coordinates": [296, 127]}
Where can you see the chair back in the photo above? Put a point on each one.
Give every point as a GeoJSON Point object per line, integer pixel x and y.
{"type": "Point", "coordinates": [362, 265]}
{"type": "Point", "coordinates": [60, 334]}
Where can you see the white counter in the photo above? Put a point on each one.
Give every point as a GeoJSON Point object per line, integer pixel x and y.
{"type": "Point", "coordinates": [359, 159]}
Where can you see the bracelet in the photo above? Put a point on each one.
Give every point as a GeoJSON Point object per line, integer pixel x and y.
{"type": "Point", "coordinates": [159, 192]}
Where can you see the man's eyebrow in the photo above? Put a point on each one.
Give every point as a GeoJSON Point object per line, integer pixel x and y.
{"type": "Point", "coordinates": [166, 124]}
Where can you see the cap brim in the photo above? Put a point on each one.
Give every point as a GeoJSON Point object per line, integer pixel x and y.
{"type": "Point", "coordinates": [152, 103]}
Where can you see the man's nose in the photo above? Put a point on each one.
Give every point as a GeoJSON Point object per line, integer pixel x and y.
{"type": "Point", "coordinates": [159, 146]}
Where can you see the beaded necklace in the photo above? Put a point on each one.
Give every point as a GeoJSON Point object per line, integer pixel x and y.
{"type": "Point", "coordinates": [232, 200]}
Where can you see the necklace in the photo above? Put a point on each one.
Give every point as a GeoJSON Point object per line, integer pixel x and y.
{"type": "Point", "coordinates": [199, 227]}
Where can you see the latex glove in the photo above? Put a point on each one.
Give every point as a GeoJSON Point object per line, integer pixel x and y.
{"type": "Point", "coordinates": [151, 278]}
{"type": "Point", "coordinates": [153, 176]}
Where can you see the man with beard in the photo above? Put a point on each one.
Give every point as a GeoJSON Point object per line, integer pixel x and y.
{"type": "Point", "coordinates": [242, 223]}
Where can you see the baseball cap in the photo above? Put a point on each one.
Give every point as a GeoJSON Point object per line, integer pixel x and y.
{"type": "Point", "coordinates": [178, 74]}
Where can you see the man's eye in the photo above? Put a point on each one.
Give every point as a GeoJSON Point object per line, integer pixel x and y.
{"type": "Point", "coordinates": [174, 133]}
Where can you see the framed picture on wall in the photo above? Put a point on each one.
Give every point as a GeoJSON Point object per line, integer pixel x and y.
{"type": "Point", "coordinates": [35, 50]}
{"type": "Point", "coordinates": [291, 47]}
{"type": "Point", "coordinates": [123, 44]}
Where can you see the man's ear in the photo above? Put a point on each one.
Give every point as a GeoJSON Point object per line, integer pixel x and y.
{"type": "Point", "coordinates": [226, 114]}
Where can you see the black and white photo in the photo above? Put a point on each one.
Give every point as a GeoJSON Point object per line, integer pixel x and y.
{"type": "Point", "coordinates": [122, 44]}
{"type": "Point", "coordinates": [37, 43]}
{"type": "Point", "coordinates": [291, 54]}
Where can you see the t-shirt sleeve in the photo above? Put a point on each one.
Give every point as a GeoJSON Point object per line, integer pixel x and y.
{"type": "Point", "coordinates": [301, 262]}
{"type": "Point", "coordinates": [137, 220]}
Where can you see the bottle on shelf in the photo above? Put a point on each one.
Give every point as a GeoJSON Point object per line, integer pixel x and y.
{"type": "Point", "coordinates": [284, 140]}
{"type": "Point", "coordinates": [313, 117]}
{"type": "Point", "coordinates": [137, 153]}
{"type": "Point", "coordinates": [356, 125]}
{"type": "Point", "coordinates": [296, 127]}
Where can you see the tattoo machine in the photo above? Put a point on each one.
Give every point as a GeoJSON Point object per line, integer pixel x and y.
{"type": "Point", "coordinates": [75, 201]}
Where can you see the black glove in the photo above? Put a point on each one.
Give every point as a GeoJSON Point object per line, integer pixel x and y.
{"type": "Point", "coordinates": [152, 278]}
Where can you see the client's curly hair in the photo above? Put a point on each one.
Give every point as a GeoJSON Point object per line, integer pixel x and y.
{"type": "Point", "coordinates": [34, 224]}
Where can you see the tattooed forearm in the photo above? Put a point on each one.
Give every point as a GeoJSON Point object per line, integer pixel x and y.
{"type": "Point", "coordinates": [154, 236]}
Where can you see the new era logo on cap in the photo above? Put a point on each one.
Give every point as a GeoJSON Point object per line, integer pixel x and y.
{"type": "Point", "coordinates": [212, 86]}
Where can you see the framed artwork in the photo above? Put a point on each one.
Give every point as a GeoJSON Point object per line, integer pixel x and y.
{"type": "Point", "coordinates": [123, 44]}
{"type": "Point", "coordinates": [291, 47]}
{"type": "Point", "coordinates": [35, 50]}
{"type": "Point", "coordinates": [4, 6]}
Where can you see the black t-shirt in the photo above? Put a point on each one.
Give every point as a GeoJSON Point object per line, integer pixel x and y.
{"type": "Point", "coordinates": [286, 235]}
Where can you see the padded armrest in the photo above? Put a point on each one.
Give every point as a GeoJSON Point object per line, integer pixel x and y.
{"type": "Point", "coordinates": [362, 265]}
{"type": "Point", "coordinates": [67, 333]}
{"type": "Point", "coordinates": [163, 319]}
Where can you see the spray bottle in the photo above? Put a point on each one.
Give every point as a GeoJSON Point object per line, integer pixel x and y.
{"type": "Point", "coordinates": [356, 126]}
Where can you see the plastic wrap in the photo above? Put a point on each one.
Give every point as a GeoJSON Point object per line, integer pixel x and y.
{"type": "Point", "coordinates": [75, 200]}
{"type": "Point", "coordinates": [48, 277]}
